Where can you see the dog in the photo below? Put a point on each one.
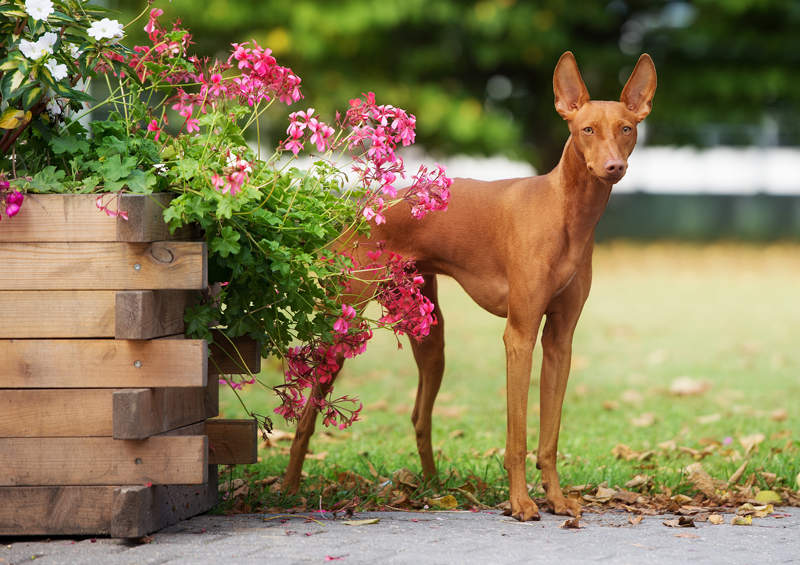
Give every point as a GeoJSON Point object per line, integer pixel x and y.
{"type": "Point", "coordinates": [522, 249]}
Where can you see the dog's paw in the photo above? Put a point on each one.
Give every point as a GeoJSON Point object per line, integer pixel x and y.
{"type": "Point", "coordinates": [564, 507]}
{"type": "Point", "coordinates": [522, 509]}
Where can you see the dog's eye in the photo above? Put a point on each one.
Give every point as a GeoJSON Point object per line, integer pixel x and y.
{"type": "Point", "coordinates": [627, 129]}
{"type": "Point", "coordinates": [588, 130]}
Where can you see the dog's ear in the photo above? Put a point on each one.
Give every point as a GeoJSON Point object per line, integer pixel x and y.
{"type": "Point", "coordinates": [640, 88]}
{"type": "Point", "coordinates": [568, 86]}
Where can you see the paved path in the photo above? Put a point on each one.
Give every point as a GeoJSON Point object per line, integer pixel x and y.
{"type": "Point", "coordinates": [431, 538]}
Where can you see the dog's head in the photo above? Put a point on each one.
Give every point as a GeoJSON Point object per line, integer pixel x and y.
{"type": "Point", "coordinates": [604, 133]}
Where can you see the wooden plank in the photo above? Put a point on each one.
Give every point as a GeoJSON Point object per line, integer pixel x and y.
{"type": "Point", "coordinates": [56, 412]}
{"type": "Point", "coordinates": [126, 511]}
{"type": "Point", "coordinates": [40, 511]}
{"type": "Point", "coordinates": [102, 363]}
{"type": "Point", "coordinates": [212, 397]}
{"type": "Point", "coordinates": [232, 442]}
{"type": "Point", "coordinates": [146, 219]}
{"type": "Point", "coordinates": [57, 313]}
{"type": "Point", "coordinates": [147, 314]}
{"type": "Point", "coordinates": [103, 461]}
{"type": "Point", "coordinates": [76, 217]}
{"type": "Point", "coordinates": [141, 413]}
{"type": "Point", "coordinates": [129, 314]}
{"type": "Point", "coordinates": [233, 357]}
{"type": "Point", "coordinates": [160, 506]}
{"type": "Point", "coordinates": [103, 266]}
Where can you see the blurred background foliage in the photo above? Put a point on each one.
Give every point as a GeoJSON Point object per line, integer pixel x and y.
{"type": "Point", "coordinates": [478, 74]}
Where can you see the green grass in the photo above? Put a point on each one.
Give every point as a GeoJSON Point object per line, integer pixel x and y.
{"type": "Point", "coordinates": [724, 314]}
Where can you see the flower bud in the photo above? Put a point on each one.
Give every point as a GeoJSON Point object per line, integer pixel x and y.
{"type": "Point", "coordinates": [15, 197]}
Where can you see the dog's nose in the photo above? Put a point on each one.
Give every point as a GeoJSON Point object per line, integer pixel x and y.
{"type": "Point", "coordinates": [615, 167]}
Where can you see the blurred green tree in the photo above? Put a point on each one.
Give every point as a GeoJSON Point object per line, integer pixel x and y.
{"type": "Point", "coordinates": [478, 74]}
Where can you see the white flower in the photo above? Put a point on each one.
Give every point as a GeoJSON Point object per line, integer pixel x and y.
{"type": "Point", "coordinates": [40, 48]}
{"type": "Point", "coordinates": [59, 71]}
{"type": "Point", "coordinates": [74, 51]}
{"type": "Point", "coordinates": [53, 108]}
{"type": "Point", "coordinates": [106, 29]}
{"type": "Point", "coordinates": [39, 9]}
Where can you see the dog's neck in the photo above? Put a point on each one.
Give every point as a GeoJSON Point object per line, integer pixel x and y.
{"type": "Point", "coordinates": [583, 195]}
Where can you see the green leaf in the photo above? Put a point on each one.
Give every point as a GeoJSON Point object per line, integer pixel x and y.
{"type": "Point", "coordinates": [187, 168]}
{"type": "Point", "coordinates": [226, 243]}
{"type": "Point", "coordinates": [9, 64]}
{"type": "Point", "coordinates": [115, 168]}
{"type": "Point", "coordinates": [15, 82]}
{"type": "Point", "coordinates": [31, 97]}
{"type": "Point", "coordinates": [140, 182]}
{"type": "Point", "coordinates": [69, 144]}
{"type": "Point", "coordinates": [48, 180]}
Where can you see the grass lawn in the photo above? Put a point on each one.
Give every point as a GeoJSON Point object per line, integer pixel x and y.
{"type": "Point", "coordinates": [723, 316]}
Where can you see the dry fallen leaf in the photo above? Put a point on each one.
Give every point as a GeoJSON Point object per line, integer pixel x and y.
{"type": "Point", "coordinates": [637, 481]}
{"type": "Point", "coordinates": [669, 445]}
{"type": "Point", "coordinates": [738, 474]}
{"type": "Point", "coordinates": [364, 522]}
{"type": "Point", "coordinates": [763, 511]}
{"type": "Point", "coordinates": [572, 524]}
{"type": "Point", "coordinates": [406, 478]}
{"type": "Point", "coordinates": [604, 494]}
{"type": "Point", "coordinates": [455, 412]}
{"type": "Point", "coordinates": [681, 499]}
{"type": "Point", "coordinates": [686, 386]}
{"type": "Point", "coordinates": [379, 405]}
{"type": "Point", "coordinates": [644, 420]}
{"type": "Point", "coordinates": [446, 502]}
{"type": "Point", "coordinates": [631, 396]}
{"type": "Point", "coordinates": [456, 434]}
{"type": "Point", "coordinates": [317, 456]}
{"type": "Point", "coordinates": [701, 480]}
{"type": "Point", "coordinates": [622, 451]}
{"type": "Point", "coordinates": [716, 519]}
{"type": "Point", "coordinates": [742, 520]}
{"type": "Point", "coordinates": [610, 405]}
{"type": "Point", "coordinates": [687, 535]}
{"type": "Point", "coordinates": [709, 418]}
{"type": "Point", "coordinates": [768, 497]}
{"type": "Point", "coordinates": [778, 415]}
{"type": "Point", "coordinates": [769, 478]}
{"type": "Point", "coordinates": [634, 520]}
{"type": "Point", "coordinates": [750, 442]}
{"type": "Point", "coordinates": [681, 522]}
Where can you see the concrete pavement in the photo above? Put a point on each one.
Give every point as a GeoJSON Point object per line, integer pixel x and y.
{"type": "Point", "coordinates": [430, 538]}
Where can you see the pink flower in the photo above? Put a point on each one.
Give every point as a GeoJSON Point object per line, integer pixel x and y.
{"type": "Point", "coordinates": [150, 28]}
{"type": "Point", "coordinates": [348, 312]}
{"type": "Point", "coordinates": [12, 210]}
{"type": "Point", "coordinates": [321, 133]}
{"type": "Point", "coordinates": [153, 126]}
{"type": "Point", "coordinates": [341, 326]}
{"type": "Point", "coordinates": [294, 146]}
{"type": "Point", "coordinates": [217, 181]}
{"type": "Point", "coordinates": [192, 125]}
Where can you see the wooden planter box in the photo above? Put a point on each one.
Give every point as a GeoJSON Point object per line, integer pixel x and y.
{"type": "Point", "coordinates": [104, 406]}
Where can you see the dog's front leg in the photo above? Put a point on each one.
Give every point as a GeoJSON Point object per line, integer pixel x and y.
{"type": "Point", "coordinates": [562, 317]}
{"type": "Point", "coordinates": [519, 339]}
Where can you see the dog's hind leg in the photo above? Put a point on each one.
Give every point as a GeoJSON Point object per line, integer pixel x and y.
{"type": "Point", "coordinates": [429, 355]}
{"type": "Point", "coordinates": [303, 433]}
